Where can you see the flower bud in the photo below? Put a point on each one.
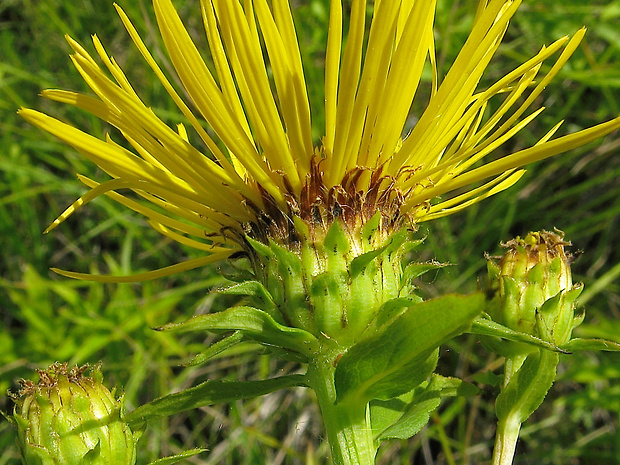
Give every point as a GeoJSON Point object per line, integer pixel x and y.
{"type": "Point", "coordinates": [534, 292]}
{"type": "Point", "coordinates": [69, 418]}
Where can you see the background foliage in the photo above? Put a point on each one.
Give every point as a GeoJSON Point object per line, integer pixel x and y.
{"type": "Point", "coordinates": [44, 318]}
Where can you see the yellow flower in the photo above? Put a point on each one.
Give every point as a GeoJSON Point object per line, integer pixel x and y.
{"type": "Point", "coordinates": [260, 172]}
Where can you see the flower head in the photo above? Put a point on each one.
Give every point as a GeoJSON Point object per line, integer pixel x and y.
{"type": "Point", "coordinates": [534, 291]}
{"type": "Point", "coordinates": [69, 418]}
{"type": "Point", "coordinates": [259, 173]}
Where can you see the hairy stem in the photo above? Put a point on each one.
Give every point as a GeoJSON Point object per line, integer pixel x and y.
{"type": "Point", "coordinates": [506, 441]}
{"type": "Point", "coordinates": [347, 424]}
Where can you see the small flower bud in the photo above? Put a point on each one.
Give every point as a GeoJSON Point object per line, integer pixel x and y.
{"type": "Point", "coordinates": [69, 418]}
{"type": "Point", "coordinates": [534, 288]}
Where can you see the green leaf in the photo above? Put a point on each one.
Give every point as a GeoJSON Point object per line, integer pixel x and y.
{"type": "Point", "coordinates": [425, 400]}
{"type": "Point", "coordinates": [577, 344]}
{"type": "Point", "coordinates": [254, 289]}
{"type": "Point", "coordinates": [217, 348]}
{"type": "Point", "coordinates": [384, 413]}
{"type": "Point", "coordinates": [484, 326]}
{"type": "Point", "coordinates": [377, 366]}
{"type": "Point", "coordinates": [210, 392]}
{"type": "Point", "coordinates": [528, 387]}
{"type": "Point", "coordinates": [393, 308]}
{"type": "Point", "coordinates": [253, 323]}
{"type": "Point", "coordinates": [177, 458]}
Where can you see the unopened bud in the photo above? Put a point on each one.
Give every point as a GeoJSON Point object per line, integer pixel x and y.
{"type": "Point", "coordinates": [69, 418]}
{"type": "Point", "coordinates": [534, 289]}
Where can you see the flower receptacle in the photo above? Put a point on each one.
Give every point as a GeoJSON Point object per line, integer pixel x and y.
{"type": "Point", "coordinates": [333, 284]}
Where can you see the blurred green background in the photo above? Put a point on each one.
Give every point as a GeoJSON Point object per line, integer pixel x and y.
{"type": "Point", "coordinates": [45, 318]}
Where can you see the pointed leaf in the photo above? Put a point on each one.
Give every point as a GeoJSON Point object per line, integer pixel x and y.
{"type": "Point", "coordinates": [424, 402]}
{"type": "Point", "coordinates": [259, 295]}
{"type": "Point", "coordinates": [365, 369]}
{"type": "Point", "coordinates": [251, 288]}
{"type": "Point", "coordinates": [207, 393]}
{"type": "Point", "coordinates": [487, 377]}
{"type": "Point", "coordinates": [484, 326]}
{"type": "Point", "coordinates": [217, 348]}
{"type": "Point", "coordinates": [172, 459]}
{"type": "Point", "coordinates": [393, 308]}
{"type": "Point", "coordinates": [255, 324]}
{"type": "Point", "coordinates": [528, 387]}
{"type": "Point", "coordinates": [590, 344]}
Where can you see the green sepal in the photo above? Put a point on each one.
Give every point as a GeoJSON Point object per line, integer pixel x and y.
{"type": "Point", "coordinates": [217, 348]}
{"type": "Point", "coordinates": [238, 274]}
{"type": "Point", "coordinates": [283, 277]}
{"type": "Point", "coordinates": [405, 416]}
{"type": "Point", "coordinates": [556, 318]}
{"type": "Point", "coordinates": [172, 459]}
{"type": "Point", "coordinates": [253, 323]}
{"type": "Point", "coordinates": [359, 263]}
{"type": "Point", "coordinates": [484, 326]}
{"type": "Point", "coordinates": [401, 242]}
{"type": "Point", "coordinates": [415, 269]}
{"type": "Point", "coordinates": [578, 344]}
{"type": "Point", "coordinates": [326, 296]}
{"type": "Point", "coordinates": [364, 371]}
{"type": "Point", "coordinates": [336, 246]}
{"type": "Point", "coordinates": [369, 230]}
{"type": "Point", "coordinates": [260, 248]}
{"type": "Point", "coordinates": [289, 276]}
{"type": "Point", "coordinates": [528, 386]}
{"type": "Point", "coordinates": [210, 392]}
{"type": "Point", "coordinates": [260, 296]}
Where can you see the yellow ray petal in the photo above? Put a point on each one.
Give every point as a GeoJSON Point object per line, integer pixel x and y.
{"type": "Point", "coordinates": [523, 157]}
{"type": "Point", "coordinates": [460, 202]}
{"type": "Point", "coordinates": [403, 80]}
{"type": "Point", "coordinates": [211, 145]}
{"type": "Point", "coordinates": [332, 68]}
{"type": "Point", "coordinates": [84, 199]}
{"type": "Point", "coordinates": [283, 50]}
{"type": "Point", "coordinates": [454, 95]}
{"type": "Point", "coordinates": [206, 95]}
{"type": "Point", "coordinates": [194, 244]}
{"type": "Point", "coordinates": [251, 75]}
{"type": "Point", "coordinates": [149, 275]}
{"type": "Point", "coordinates": [347, 88]}
{"type": "Point", "coordinates": [205, 226]}
{"type": "Point", "coordinates": [377, 61]}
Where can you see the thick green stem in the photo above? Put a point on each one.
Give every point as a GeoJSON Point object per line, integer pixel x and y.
{"type": "Point", "coordinates": [508, 428]}
{"type": "Point", "coordinates": [347, 424]}
{"type": "Point", "coordinates": [506, 441]}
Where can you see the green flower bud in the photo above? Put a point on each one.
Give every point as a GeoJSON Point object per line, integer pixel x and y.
{"type": "Point", "coordinates": [534, 292]}
{"type": "Point", "coordinates": [69, 418]}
